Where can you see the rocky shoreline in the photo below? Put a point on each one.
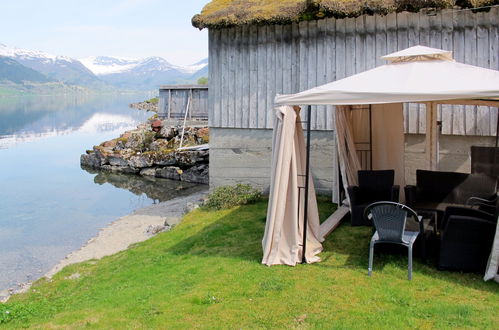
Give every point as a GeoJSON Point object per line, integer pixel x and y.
{"type": "Point", "coordinates": [153, 149]}
{"type": "Point", "coordinates": [146, 106]}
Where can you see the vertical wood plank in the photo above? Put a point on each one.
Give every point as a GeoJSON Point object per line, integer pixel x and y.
{"type": "Point", "coordinates": [483, 114]}
{"type": "Point", "coordinates": [340, 49]}
{"type": "Point", "coordinates": [245, 76]}
{"type": "Point", "coordinates": [303, 61]}
{"type": "Point", "coordinates": [391, 33]}
{"type": "Point", "coordinates": [380, 39]}
{"type": "Point", "coordinates": [271, 76]}
{"type": "Point", "coordinates": [458, 122]}
{"type": "Point", "coordinates": [494, 59]}
{"type": "Point", "coordinates": [360, 44]}
{"type": "Point", "coordinates": [238, 78]}
{"type": "Point", "coordinates": [330, 66]}
{"type": "Point", "coordinates": [224, 76]}
{"type": "Point", "coordinates": [295, 65]}
{"type": "Point", "coordinates": [470, 57]}
{"type": "Point", "coordinates": [447, 44]}
{"type": "Point", "coordinates": [312, 65]}
{"type": "Point", "coordinates": [231, 78]}
{"type": "Point", "coordinates": [402, 43]}
{"type": "Point", "coordinates": [350, 46]}
{"type": "Point", "coordinates": [288, 59]}
{"type": "Point", "coordinates": [322, 40]}
{"type": "Point", "coordinates": [262, 77]}
{"type": "Point", "coordinates": [213, 77]}
{"type": "Point", "coordinates": [253, 88]}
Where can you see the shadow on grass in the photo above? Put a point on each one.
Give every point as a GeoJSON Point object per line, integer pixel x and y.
{"type": "Point", "coordinates": [238, 235]}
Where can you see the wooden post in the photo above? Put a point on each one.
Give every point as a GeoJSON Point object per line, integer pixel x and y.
{"type": "Point", "coordinates": [169, 103]}
{"type": "Point", "coordinates": [431, 136]}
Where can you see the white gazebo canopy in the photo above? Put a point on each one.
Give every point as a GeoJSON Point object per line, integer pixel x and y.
{"type": "Point", "coordinates": [415, 75]}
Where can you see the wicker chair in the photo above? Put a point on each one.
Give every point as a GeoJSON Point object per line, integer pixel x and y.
{"type": "Point", "coordinates": [389, 219]}
{"type": "Point", "coordinates": [374, 186]}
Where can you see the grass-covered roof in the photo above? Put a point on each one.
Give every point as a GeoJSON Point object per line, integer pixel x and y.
{"type": "Point", "coordinates": [226, 13]}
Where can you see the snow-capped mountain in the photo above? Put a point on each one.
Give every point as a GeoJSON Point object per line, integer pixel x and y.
{"type": "Point", "coordinates": [141, 73]}
{"type": "Point", "coordinates": [101, 72]}
{"type": "Point", "coordinates": [61, 68]}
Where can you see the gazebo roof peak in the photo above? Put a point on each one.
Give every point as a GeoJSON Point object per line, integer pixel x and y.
{"type": "Point", "coordinates": [419, 53]}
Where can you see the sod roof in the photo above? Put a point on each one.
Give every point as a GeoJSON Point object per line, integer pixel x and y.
{"type": "Point", "coordinates": [227, 13]}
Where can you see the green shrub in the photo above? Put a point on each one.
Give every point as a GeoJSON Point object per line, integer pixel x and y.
{"type": "Point", "coordinates": [229, 196]}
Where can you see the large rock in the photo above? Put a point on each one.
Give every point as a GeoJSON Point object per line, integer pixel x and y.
{"type": "Point", "coordinates": [148, 171]}
{"type": "Point", "coordinates": [117, 161]}
{"type": "Point", "coordinates": [140, 161]}
{"type": "Point", "coordinates": [186, 159]}
{"type": "Point", "coordinates": [168, 159]}
{"type": "Point", "coordinates": [90, 160]}
{"type": "Point", "coordinates": [167, 132]}
{"type": "Point", "coordinates": [120, 169]}
{"type": "Point", "coordinates": [170, 172]}
{"type": "Point", "coordinates": [158, 145]}
{"type": "Point", "coordinates": [196, 174]}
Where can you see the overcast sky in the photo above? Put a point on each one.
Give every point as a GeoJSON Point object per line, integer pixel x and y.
{"type": "Point", "coordinates": [130, 28]}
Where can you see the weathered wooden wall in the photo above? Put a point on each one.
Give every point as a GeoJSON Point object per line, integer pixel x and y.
{"type": "Point", "coordinates": [250, 64]}
{"type": "Point", "coordinates": [173, 101]}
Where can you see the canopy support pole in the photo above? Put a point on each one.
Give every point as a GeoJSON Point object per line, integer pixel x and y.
{"type": "Point", "coordinates": [431, 140]}
{"type": "Point", "coordinates": [307, 183]}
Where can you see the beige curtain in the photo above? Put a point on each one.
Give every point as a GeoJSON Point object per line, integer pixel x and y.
{"type": "Point", "coordinates": [493, 266]}
{"type": "Point", "coordinates": [282, 241]}
{"type": "Point", "coordinates": [347, 153]}
{"type": "Point", "coordinates": [388, 141]}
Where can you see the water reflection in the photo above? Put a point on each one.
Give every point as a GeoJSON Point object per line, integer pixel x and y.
{"type": "Point", "coordinates": [31, 118]}
{"type": "Point", "coordinates": [157, 189]}
{"type": "Point", "coordinates": [49, 205]}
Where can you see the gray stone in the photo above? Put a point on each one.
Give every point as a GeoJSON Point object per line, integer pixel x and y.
{"type": "Point", "coordinates": [120, 169]}
{"type": "Point", "coordinates": [196, 174]}
{"type": "Point", "coordinates": [167, 132]}
{"type": "Point", "coordinates": [166, 160]}
{"type": "Point", "coordinates": [140, 161]}
{"type": "Point", "coordinates": [170, 172]}
{"type": "Point", "coordinates": [117, 161]}
{"type": "Point", "coordinates": [148, 171]}
{"type": "Point", "coordinates": [90, 160]}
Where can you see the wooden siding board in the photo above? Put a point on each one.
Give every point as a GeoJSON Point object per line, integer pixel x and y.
{"type": "Point", "coordinates": [447, 30]}
{"type": "Point", "coordinates": [330, 66]}
{"type": "Point", "coordinates": [494, 59]}
{"type": "Point", "coordinates": [311, 73]}
{"type": "Point", "coordinates": [231, 79]}
{"type": "Point", "coordinates": [262, 77]}
{"type": "Point", "coordinates": [470, 57]}
{"type": "Point", "coordinates": [321, 122]}
{"type": "Point", "coordinates": [271, 76]}
{"type": "Point", "coordinates": [302, 55]}
{"type": "Point", "coordinates": [238, 76]}
{"type": "Point", "coordinates": [458, 123]}
{"type": "Point", "coordinates": [340, 37]}
{"type": "Point", "coordinates": [253, 54]}
{"type": "Point", "coordinates": [287, 59]}
{"type": "Point", "coordinates": [304, 44]}
{"type": "Point", "coordinates": [483, 115]}
{"type": "Point", "coordinates": [244, 79]}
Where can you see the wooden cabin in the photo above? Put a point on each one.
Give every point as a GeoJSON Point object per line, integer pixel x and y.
{"type": "Point", "coordinates": [258, 49]}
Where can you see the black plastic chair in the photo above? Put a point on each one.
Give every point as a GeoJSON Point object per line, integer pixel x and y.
{"type": "Point", "coordinates": [373, 186]}
{"type": "Point", "coordinates": [390, 219]}
{"type": "Point", "coordinates": [466, 239]}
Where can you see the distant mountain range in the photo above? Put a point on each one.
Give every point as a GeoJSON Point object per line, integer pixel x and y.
{"type": "Point", "coordinates": [25, 67]}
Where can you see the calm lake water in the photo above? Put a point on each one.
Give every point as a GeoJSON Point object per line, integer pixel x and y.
{"type": "Point", "coordinates": [49, 206]}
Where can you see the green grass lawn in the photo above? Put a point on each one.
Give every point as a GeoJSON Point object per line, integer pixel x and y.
{"type": "Point", "coordinates": [206, 273]}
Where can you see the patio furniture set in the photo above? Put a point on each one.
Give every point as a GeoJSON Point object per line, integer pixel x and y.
{"type": "Point", "coordinates": [450, 217]}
